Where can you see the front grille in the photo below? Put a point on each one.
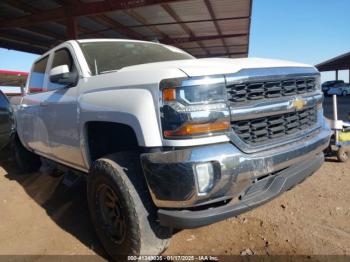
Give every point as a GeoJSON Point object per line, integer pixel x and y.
{"type": "Point", "coordinates": [255, 90]}
{"type": "Point", "coordinates": [260, 130]}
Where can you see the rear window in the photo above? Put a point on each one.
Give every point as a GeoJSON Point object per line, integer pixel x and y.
{"type": "Point", "coordinates": [37, 76]}
{"type": "Point", "coordinates": [109, 56]}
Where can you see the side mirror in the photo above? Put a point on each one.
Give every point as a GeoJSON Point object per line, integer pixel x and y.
{"type": "Point", "coordinates": [61, 75]}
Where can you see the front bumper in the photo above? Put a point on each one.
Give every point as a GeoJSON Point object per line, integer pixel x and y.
{"type": "Point", "coordinates": [255, 195]}
{"type": "Point", "coordinates": [172, 183]}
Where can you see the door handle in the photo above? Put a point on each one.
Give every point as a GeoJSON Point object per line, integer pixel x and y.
{"type": "Point", "coordinates": [44, 104]}
{"type": "Point", "coordinates": [22, 106]}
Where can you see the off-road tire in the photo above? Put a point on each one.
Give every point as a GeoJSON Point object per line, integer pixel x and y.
{"type": "Point", "coordinates": [342, 154]}
{"type": "Point", "coordinates": [26, 161]}
{"type": "Point", "coordinates": [122, 173]}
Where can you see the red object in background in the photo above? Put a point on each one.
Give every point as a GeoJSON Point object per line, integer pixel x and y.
{"type": "Point", "coordinates": [12, 79]}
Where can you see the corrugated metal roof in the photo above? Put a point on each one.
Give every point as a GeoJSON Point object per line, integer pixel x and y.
{"type": "Point", "coordinates": [341, 62]}
{"type": "Point", "coordinates": [201, 27]}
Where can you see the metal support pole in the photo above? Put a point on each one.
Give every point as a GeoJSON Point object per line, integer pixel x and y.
{"type": "Point", "coordinates": [22, 85]}
{"type": "Point", "coordinates": [71, 28]}
{"type": "Point", "coordinates": [22, 90]}
{"type": "Point", "coordinates": [336, 75]}
{"type": "Point", "coordinates": [335, 116]}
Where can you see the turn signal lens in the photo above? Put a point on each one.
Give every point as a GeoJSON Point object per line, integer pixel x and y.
{"type": "Point", "coordinates": [189, 129]}
{"type": "Point", "coordinates": [169, 94]}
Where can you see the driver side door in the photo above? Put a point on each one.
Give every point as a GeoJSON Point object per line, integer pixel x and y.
{"type": "Point", "coordinates": [59, 109]}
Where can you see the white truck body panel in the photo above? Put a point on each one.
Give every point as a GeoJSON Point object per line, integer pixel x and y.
{"type": "Point", "coordinates": [52, 123]}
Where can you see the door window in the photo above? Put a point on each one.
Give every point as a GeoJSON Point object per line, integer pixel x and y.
{"type": "Point", "coordinates": [37, 76]}
{"type": "Point", "coordinates": [61, 57]}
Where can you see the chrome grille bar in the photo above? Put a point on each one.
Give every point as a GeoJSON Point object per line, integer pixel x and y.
{"type": "Point", "coordinates": [252, 90]}
{"type": "Point", "coordinates": [262, 129]}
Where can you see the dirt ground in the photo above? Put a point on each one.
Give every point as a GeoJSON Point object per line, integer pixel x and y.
{"type": "Point", "coordinates": [40, 216]}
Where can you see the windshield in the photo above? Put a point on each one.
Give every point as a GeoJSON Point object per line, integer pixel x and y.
{"type": "Point", "coordinates": [103, 57]}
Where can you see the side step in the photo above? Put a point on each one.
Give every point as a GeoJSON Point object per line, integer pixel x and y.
{"type": "Point", "coordinates": [71, 177]}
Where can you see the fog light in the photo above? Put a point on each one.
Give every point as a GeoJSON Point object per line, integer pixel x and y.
{"type": "Point", "coordinates": [205, 177]}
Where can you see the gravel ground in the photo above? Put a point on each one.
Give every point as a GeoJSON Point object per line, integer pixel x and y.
{"type": "Point", "coordinates": [311, 219]}
{"type": "Point", "coordinates": [40, 216]}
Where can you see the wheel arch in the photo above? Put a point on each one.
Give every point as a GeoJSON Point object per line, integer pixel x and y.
{"type": "Point", "coordinates": [130, 107]}
{"type": "Point", "coordinates": [102, 138]}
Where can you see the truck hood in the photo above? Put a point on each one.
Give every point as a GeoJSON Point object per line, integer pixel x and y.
{"type": "Point", "coordinates": [214, 66]}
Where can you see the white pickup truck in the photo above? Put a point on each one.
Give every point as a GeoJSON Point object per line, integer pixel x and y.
{"type": "Point", "coordinates": [168, 141]}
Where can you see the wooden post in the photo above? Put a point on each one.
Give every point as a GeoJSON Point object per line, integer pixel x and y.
{"type": "Point", "coordinates": [71, 24]}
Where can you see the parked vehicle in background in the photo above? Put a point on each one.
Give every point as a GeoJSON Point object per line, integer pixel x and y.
{"type": "Point", "coordinates": [7, 122]}
{"type": "Point", "coordinates": [166, 140]}
{"type": "Point", "coordinates": [328, 84]}
{"type": "Point", "coordinates": [340, 90]}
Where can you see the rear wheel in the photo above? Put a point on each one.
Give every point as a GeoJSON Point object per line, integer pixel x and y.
{"type": "Point", "coordinates": [344, 93]}
{"type": "Point", "coordinates": [121, 209]}
{"type": "Point", "coordinates": [26, 161]}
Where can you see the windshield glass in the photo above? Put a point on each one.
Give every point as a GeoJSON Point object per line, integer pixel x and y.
{"type": "Point", "coordinates": [103, 57]}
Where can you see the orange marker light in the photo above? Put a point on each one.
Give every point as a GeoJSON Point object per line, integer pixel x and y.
{"type": "Point", "coordinates": [169, 94]}
{"type": "Point", "coordinates": [195, 129]}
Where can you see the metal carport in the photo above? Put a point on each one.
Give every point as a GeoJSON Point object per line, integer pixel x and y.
{"type": "Point", "coordinates": [204, 28]}
{"type": "Point", "coordinates": [341, 62]}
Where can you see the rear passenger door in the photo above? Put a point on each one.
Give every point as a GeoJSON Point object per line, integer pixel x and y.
{"type": "Point", "coordinates": [30, 124]}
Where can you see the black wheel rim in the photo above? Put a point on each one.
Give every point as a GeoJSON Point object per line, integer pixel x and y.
{"type": "Point", "coordinates": [111, 213]}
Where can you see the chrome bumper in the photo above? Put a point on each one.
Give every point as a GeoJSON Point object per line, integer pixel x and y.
{"type": "Point", "coordinates": [257, 194]}
{"type": "Point", "coordinates": [171, 179]}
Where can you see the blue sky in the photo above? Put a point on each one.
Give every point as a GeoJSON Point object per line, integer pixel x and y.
{"type": "Point", "coordinates": [308, 31]}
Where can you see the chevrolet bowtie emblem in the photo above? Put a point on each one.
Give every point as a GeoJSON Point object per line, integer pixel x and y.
{"type": "Point", "coordinates": [298, 103]}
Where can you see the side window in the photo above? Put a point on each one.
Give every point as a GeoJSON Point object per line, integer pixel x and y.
{"type": "Point", "coordinates": [37, 76]}
{"type": "Point", "coordinates": [61, 57]}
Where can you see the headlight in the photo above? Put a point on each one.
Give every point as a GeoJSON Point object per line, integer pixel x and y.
{"type": "Point", "coordinates": [194, 107]}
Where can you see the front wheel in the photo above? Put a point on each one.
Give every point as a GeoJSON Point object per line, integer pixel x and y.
{"type": "Point", "coordinates": [121, 209]}
{"type": "Point", "coordinates": [344, 93]}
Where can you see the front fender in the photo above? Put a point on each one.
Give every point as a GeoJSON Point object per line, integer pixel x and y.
{"type": "Point", "coordinates": [132, 107]}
